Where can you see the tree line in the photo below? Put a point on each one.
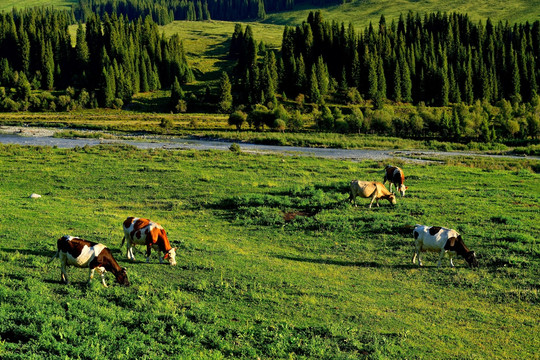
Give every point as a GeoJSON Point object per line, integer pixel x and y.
{"type": "Point", "coordinates": [111, 60]}
{"type": "Point", "coordinates": [166, 11]}
{"type": "Point", "coordinates": [438, 60]}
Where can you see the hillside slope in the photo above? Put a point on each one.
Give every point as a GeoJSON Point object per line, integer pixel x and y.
{"type": "Point", "coordinates": [361, 12]}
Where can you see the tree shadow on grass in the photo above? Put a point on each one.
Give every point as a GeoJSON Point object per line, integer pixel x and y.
{"type": "Point", "coordinates": [364, 264]}
{"type": "Point", "coordinates": [331, 261]}
{"type": "Point", "coordinates": [37, 252]}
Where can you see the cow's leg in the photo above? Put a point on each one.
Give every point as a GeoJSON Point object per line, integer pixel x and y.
{"type": "Point", "coordinates": [129, 250]}
{"type": "Point", "coordinates": [63, 273]}
{"type": "Point", "coordinates": [90, 275]}
{"type": "Point", "coordinates": [160, 258]}
{"type": "Point", "coordinates": [102, 274]}
{"type": "Point", "coordinates": [148, 252]}
{"type": "Point", "coordinates": [441, 256]}
{"type": "Point", "coordinates": [372, 200]}
{"type": "Point", "coordinates": [417, 252]}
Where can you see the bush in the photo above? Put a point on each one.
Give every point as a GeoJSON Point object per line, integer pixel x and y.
{"type": "Point", "coordinates": [9, 105]}
{"type": "Point", "coordinates": [117, 103]}
{"type": "Point", "coordinates": [355, 120]}
{"type": "Point", "coordinates": [181, 106]}
{"type": "Point", "coordinates": [296, 121]}
{"type": "Point", "coordinates": [237, 118]}
{"type": "Point", "coordinates": [325, 120]}
{"type": "Point", "coordinates": [381, 121]}
{"type": "Point", "coordinates": [279, 125]}
{"type": "Point", "coordinates": [235, 148]}
{"type": "Point", "coordinates": [166, 123]}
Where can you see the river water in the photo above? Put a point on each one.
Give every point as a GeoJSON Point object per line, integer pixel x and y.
{"type": "Point", "coordinates": [44, 138]}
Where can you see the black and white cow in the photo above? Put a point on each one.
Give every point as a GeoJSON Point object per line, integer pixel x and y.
{"type": "Point", "coordinates": [86, 254]}
{"type": "Point", "coordinates": [441, 240]}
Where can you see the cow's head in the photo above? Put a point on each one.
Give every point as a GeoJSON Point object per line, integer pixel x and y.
{"type": "Point", "coordinates": [171, 256]}
{"type": "Point", "coordinates": [402, 189]}
{"type": "Point", "coordinates": [391, 198]}
{"type": "Point", "coordinates": [470, 257]}
{"type": "Point", "coordinates": [121, 277]}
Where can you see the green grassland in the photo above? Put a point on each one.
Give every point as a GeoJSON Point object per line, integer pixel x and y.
{"type": "Point", "coordinates": [207, 45]}
{"type": "Point", "coordinates": [7, 5]}
{"type": "Point", "coordinates": [273, 262]}
{"type": "Point", "coordinates": [362, 12]}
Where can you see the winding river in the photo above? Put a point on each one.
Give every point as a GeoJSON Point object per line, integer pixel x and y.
{"type": "Point", "coordinates": [41, 137]}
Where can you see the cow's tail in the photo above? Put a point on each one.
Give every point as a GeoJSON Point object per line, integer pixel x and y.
{"type": "Point", "coordinates": [54, 257]}
{"type": "Point", "coordinates": [123, 240]}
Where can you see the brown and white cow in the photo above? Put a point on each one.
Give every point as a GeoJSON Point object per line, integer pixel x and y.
{"type": "Point", "coordinates": [396, 177]}
{"type": "Point", "coordinates": [139, 231]}
{"type": "Point", "coordinates": [86, 254]}
{"type": "Point", "coordinates": [370, 189]}
{"type": "Point", "coordinates": [441, 240]}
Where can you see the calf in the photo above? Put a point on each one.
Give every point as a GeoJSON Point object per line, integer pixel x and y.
{"type": "Point", "coordinates": [395, 176]}
{"type": "Point", "coordinates": [442, 240]}
{"type": "Point", "coordinates": [87, 254]}
{"type": "Point", "coordinates": [370, 189]}
{"type": "Point", "coordinates": [145, 232]}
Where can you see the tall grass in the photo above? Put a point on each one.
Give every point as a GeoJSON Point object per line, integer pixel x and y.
{"type": "Point", "coordinates": [273, 262]}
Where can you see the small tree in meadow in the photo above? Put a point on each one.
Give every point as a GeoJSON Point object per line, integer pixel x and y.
{"type": "Point", "coordinates": [237, 118]}
{"type": "Point", "coordinates": [225, 96]}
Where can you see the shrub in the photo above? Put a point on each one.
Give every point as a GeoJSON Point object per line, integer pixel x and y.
{"type": "Point", "coordinates": [235, 148]}
{"type": "Point", "coordinates": [237, 118]}
{"type": "Point", "coordinates": [166, 123]}
{"type": "Point", "coordinates": [279, 125]}
{"type": "Point", "coordinates": [296, 121]}
{"type": "Point", "coordinates": [355, 120]}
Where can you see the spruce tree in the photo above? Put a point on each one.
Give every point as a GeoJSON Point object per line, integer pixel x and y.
{"type": "Point", "coordinates": [225, 96]}
{"type": "Point", "coordinates": [397, 83]}
{"type": "Point", "coordinates": [47, 66]}
{"type": "Point", "coordinates": [373, 83]}
{"type": "Point", "coordinates": [177, 94]}
{"type": "Point", "coordinates": [314, 92]}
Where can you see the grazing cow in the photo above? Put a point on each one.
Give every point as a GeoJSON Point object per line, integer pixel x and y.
{"type": "Point", "coordinates": [442, 240]}
{"type": "Point", "coordinates": [145, 232]}
{"type": "Point", "coordinates": [370, 189]}
{"type": "Point", "coordinates": [395, 176]}
{"type": "Point", "coordinates": [87, 254]}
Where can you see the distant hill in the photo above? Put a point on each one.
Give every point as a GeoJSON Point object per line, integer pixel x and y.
{"type": "Point", "coordinates": [361, 12]}
{"type": "Point", "coordinates": [358, 12]}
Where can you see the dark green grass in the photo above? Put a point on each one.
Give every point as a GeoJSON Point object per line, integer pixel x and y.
{"type": "Point", "coordinates": [333, 282]}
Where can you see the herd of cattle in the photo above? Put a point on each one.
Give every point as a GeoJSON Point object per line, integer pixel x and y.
{"type": "Point", "coordinates": [137, 231]}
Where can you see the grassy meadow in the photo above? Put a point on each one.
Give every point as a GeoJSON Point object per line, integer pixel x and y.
{"type": "Point", "coordinates": [362, 12]}
{"type": "Point", "coordinates": [273, 262]}
{"type": "Point", "coordinates": [7, 5]}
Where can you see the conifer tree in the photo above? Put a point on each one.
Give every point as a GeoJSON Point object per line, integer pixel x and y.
{"type": "Point", "coordinates": [177, 93]}
{"type": "Point", "coordinates": [314, 92]}
{"type": "Point", "coordinates": [381, 80]}
{"type": "Point", "coordinates": [373, 79]}
{"type": "Point", "coordinates": [397, 83]}
{"type": "Point", "coordinates": [225, 96]}
{"type": "Point", "coordinates": [47, 67]}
